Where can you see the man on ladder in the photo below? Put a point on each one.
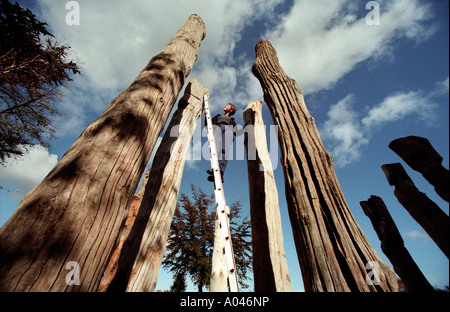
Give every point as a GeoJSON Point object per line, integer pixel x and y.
{"type": "Point", "coordinates": [216, 176]}
{"type": "Point", "coordinates": [224, 134]}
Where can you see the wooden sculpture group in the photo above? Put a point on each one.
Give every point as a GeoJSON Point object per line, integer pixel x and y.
{"type": "Point", "coordinates": [86, 209]}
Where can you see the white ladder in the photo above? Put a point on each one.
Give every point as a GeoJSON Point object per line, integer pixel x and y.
{"type": "Point", "coordinates": [220, 201]}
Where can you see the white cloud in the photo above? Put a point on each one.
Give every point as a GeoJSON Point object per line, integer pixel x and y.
{"type": "Point", "coordinates": [343, 131]}
{"type": "Point", "coordinates": [418, 235]}
{"type": "Point", "coordinates": [320, 41]}
{"type": "Point", "coordinates": [397, 106]}
{"type": "Point", "coordinates": [26, 172]}
{"type": "Point", "coordinates": [441, 88]}
{"type": "Point", "coordinates": [112, 46]}
{"type": "Point", "coordinates": [346, 133]}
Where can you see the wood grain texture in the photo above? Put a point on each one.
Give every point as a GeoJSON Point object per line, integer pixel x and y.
{"type": "Point", "coordinates": [332, 249]}
{"type": "Point", "coordinates": [76, 212]}
{"type": "Point", "coordinates": [270, 269]}
{"type": "Point", "coordinates": [143, 251]}
{"type": "Point", "coordinates": [114, 259]}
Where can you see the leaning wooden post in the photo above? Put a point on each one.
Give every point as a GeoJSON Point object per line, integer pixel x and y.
{"type": "Point", "coordinates": [332, 249]}
{"type": "Point", "coordinates": [72, 218]}
{"type": "Point", "coordinates": [270, 268]}
{"type": "Point", "coordinates": [144, 248]}
{"type": "Point", "coordinates": [425, 211]}
{"type": "Point", "coordinates": [420, 155]}
{"type": "Point", "coordinates": [393, 246]}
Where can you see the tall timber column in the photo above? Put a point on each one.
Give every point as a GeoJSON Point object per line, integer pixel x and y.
{"type": "Point", "coordinates": [393, 246]}
{"type": "Point", "coordinates": [270, 269]}
{"type": "Point", "coordinates": [332, 249]}
{"type": "Point", "coordinates": [63, 232]}
{"type": "Point", "coordinates": [425, 211]}
{"type": "Point", "coordinates": [144, 248]}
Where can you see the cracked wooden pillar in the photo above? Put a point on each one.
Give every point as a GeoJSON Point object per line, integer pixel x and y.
{"type": "Point", "coordinates": [420, 155]}
{"type": "Point", "coordinates": [142, 252]}
{"type": "Point", "coordinates": [425, 211]}
{"type": "Point", "coordinates": [74, 215]}
{"type": "Point", "coordinates": [270, 269]}
{"type": "Point", "coordinates": [332, 249]}
{"type": "Point", "coordinates": [113, 262]}
{"type": "Point", "coordinates": [393, 246]}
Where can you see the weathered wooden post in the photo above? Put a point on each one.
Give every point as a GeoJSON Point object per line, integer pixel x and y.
{"type": "Point", "coordinates": [113, 263]}
{"type": "Point", "coordinates": [420, 155]}
{"type": "Point", "coordinates": [270, 268]}
{"type": "Point", "coordinates": [425, 211]}
{"type": "Point", "coordinates": [74, 215]}
{"type": "Point", "coordinates": [393, 246]}
{"type": "Point", "coordinates": [142, 253]}
{"type": "Point", "coordinates": [332, 249]}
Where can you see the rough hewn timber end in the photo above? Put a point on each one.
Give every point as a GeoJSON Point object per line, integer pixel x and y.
{"type": "Point", "coordinates": [394, 173]}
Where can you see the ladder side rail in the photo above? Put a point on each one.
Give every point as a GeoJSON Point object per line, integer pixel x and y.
{"type": "Point", "coordinates": [220, 201]}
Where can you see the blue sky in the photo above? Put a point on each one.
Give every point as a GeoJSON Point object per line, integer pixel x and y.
{"type": "Point", "coordinates": [365, 85]}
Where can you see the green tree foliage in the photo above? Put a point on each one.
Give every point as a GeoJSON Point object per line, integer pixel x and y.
{"type": "Point", "coordinates": [179, 283]}
{"type": "Point", "coordinates": [32, 68]}
{"type": "Point", "coordinates": [191, 241]}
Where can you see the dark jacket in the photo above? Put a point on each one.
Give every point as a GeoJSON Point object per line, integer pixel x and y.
{"type": "Point", "coordinates": [219, 120]}
{"type": "Point", "coordinates": [223, 120]}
